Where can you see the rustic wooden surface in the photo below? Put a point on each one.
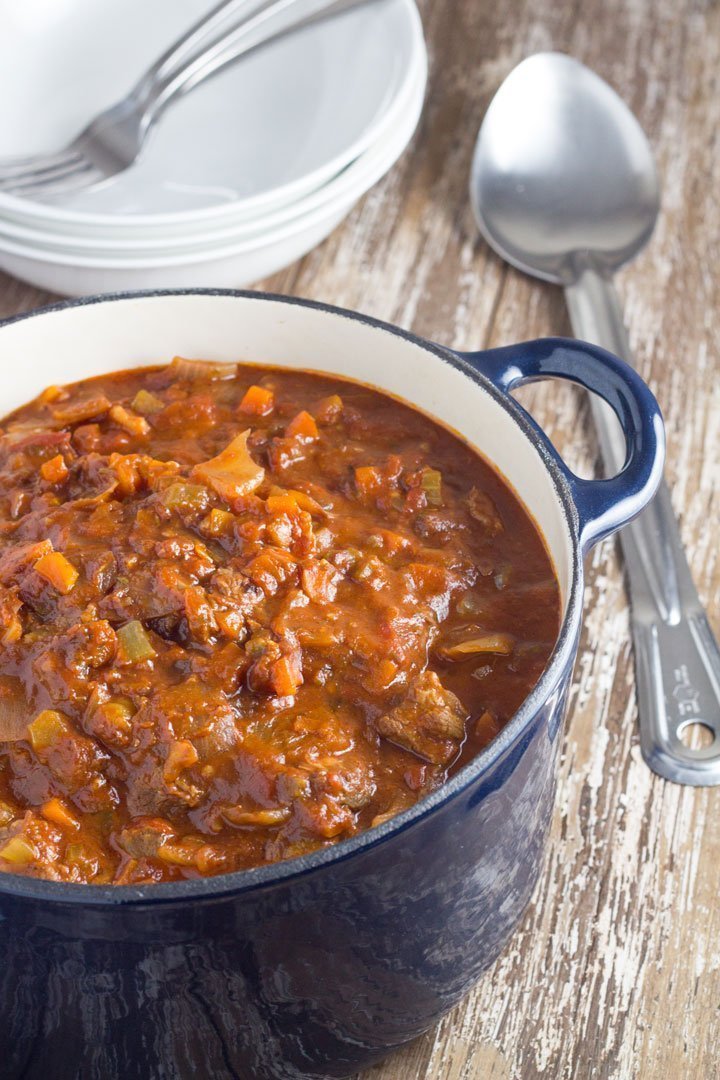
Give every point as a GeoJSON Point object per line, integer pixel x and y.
{"type": "Point", "coordinates": [615, 971]}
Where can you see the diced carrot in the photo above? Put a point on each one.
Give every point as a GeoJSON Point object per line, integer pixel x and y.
{"type": "Point", "coordinates": [393, 542]}
{"type": "Point", "coordinates": [50, 394]}
{"type": "Point", "coordinates": [56, 811]}
{"type": "Point", "coordinates": [55, 470]}
{"type": "Point", "coordinates": [368, 480]}
{"type": "Point", "coordinates": [306, 502]}
{"type": "Point", "coordinates": [58, 570]}
{"type": "Point", "coordinates": [126, 468]}
{"type": "Point", "coordinates": [282, 504]}
{"type": "Point", "coordinates": [257, 401]}
{"type": "Point", "coordinates": [427, 577]}
{"type": "Point", "coordinates": [386, 671]}
{"type": "Point", "coordinates": [128, 421]}
{"type": "Point", "coordinates": [302, 426]}
{"type": "Point", "coordinates": [285, 676]}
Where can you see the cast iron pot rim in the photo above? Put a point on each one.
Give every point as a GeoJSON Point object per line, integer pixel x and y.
{"type": "Point", "coordinates": [240, 881]}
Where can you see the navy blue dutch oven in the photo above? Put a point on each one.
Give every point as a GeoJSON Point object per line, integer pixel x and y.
{"type": "Point", "coordinates": [318, 966]}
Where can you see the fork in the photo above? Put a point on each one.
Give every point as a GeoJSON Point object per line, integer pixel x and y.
{"type": "Point", "coordinates": [116, 137]}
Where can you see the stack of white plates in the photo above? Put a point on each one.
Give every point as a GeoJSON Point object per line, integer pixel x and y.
{"type": "Point", "coordinates": [242, 176]}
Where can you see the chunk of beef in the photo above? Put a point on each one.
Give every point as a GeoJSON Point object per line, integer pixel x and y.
{"type": "Point", "coordinates": [430, 721]}
{"type": "Point", "coordinates": [193, 713]}
{"type": "Point", "coordinates": [483, 510]}
{"type": "Point", "coordinates": [142, 837]}
{"type": "Point", "coordinates": [15, 560]}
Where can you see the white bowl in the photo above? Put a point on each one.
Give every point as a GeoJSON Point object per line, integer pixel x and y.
{"type": "Point", "coordinates": [271, 128]}
{"type": "Point", "coordinates": [102, 242]}
{"type": "Point", "coordinates": [230, 264]}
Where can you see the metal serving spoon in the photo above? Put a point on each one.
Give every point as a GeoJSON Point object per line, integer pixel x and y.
{"type": "Point", "coordinates": [564, 187]}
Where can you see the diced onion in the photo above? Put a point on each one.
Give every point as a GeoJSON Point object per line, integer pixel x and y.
{"type": "Point", "coordinates": [487, 643]}
{"type": "Point", "coordinates": [18, 851]}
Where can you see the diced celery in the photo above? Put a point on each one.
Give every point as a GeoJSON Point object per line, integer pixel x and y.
{"type": "Point", "coordinates": [76, 853]}
{"type": "Point", "coordinates": [184, 496]}
{"type": "Point", "coordinates": [47, 729]}
{"type": "Point", "coordinates": [431, 484]}
{"type": "Point", "coordinates": [218, 522]}
{"type": "Point", "coordinates": [135, 645]}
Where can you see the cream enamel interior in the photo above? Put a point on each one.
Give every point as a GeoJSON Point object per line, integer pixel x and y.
{"type": "Point", "coordinates": [77, 342]}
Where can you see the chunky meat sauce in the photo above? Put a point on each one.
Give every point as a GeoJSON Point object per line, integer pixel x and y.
{"type": "Point", "coordinates": [245, 613]}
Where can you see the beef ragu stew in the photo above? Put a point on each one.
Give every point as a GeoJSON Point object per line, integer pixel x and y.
{"type": "Point", "coordinates": [245, 613]}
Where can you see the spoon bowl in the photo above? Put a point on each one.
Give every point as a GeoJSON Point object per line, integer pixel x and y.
{"type": "Point", "coordinates": [563, 186]}
{"type": "Point", "coordinates": [563, 175]}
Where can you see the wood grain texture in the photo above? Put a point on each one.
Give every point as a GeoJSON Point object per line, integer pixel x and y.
{"type": "Point", "coordinates": [615, 971]}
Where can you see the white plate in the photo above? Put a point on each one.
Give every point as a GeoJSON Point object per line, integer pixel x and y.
{"type": "Point", "coordinates": [276, 125]}
{"type": "Point", "coordinates": [146, 243]}
{"type": "Point", "coordinates": [235, 264]}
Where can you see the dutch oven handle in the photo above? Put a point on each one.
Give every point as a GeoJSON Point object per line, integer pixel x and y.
{"type": "Point", "coordinates": [603, 506]}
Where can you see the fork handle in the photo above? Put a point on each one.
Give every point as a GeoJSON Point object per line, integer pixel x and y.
{"type": "Point", "coordinates": [200, 33]}
{"type": "Point", "coordinates": [677, 658]}
{"type": "Point", "coordinates": [202, 52]}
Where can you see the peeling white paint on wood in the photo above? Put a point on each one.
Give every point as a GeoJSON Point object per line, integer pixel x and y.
{"type": "Point", "coordinates": [615, 970]}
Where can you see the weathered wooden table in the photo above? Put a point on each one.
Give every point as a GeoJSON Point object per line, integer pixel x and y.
{"type": "Point", "coordinates": [615, 972]}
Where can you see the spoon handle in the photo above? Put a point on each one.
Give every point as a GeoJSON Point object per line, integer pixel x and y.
{"type": "Point", "coordinates": [677, 658]}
